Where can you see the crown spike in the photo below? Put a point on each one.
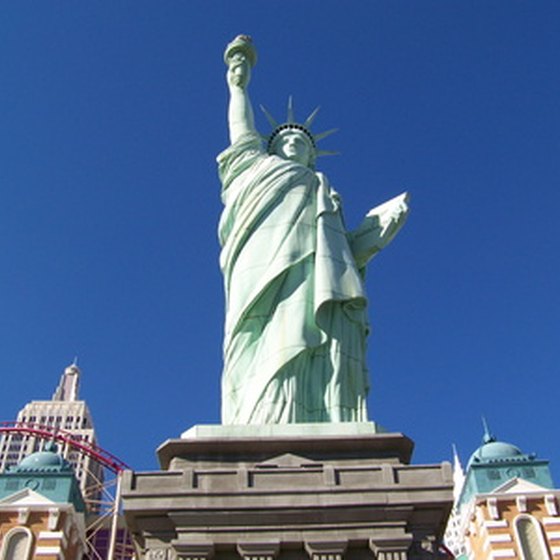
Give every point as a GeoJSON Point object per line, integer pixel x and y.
{"type": "Point", "coordinates": [309, 121]}
{"type": "Point", "coordinates": [271, 120]}
{"type": "Point", "coordinates": [327, 153]}
{"type": "Point", "coordinates": [290, 115]}
{"type": "Point", "coordinates": [325, 134]}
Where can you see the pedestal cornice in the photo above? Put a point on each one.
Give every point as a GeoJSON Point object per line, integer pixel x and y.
{"type": "Point", "coordinates": [288, 497]}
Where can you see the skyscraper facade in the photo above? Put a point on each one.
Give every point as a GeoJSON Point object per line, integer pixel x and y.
{"type": "Point", "coordinates": [66, 413]}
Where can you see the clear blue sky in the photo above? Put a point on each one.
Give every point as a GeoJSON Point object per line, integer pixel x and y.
{"type": "Point", "coordinates": [111, 116]}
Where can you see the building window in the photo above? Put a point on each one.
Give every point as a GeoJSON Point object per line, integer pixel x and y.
{"type": "Point", "coordinates": [528, 472]}
{"type": "Point", "coordinates": [17, 544]}
{"type": "Point", "coordinates": [12, 485]}
{"type": "Point", "coordinates": [493, 474]}
{"type": "Point", "coordinates": [530, 538]}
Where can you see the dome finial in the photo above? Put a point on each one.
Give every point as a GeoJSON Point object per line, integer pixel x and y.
{"type": "Point", "coordinates": [487, 437]}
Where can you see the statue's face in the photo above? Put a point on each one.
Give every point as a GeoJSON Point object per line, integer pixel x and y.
{"type": "Point", "coordinates": [294, 146]}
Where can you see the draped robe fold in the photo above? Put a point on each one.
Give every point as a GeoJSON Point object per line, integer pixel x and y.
{"type": "Point", "coordinates": [295, 329]}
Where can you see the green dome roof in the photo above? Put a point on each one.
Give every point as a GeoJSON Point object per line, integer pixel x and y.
{"type": "Point", "coordinates": [44, 461]}
{"type": "Point", "coordinates": [495, 451]}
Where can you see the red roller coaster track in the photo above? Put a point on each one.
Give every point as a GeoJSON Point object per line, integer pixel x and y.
{"type": "Point", "coordinates": [108, 460]}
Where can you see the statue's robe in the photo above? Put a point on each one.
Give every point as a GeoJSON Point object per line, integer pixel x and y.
{"type": "Point", "coordinates": [295, 329]}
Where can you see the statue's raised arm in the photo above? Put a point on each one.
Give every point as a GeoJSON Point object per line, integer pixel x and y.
{"type": "Point", "coordinates": [240, 56]}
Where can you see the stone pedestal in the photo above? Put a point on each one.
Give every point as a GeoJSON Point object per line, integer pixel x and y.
{"type": "Point", "coordinates": [298, 492]}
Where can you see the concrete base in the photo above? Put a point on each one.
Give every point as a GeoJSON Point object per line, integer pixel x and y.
{"type": "Point", "coordinates": [288, 493]}
{"type": "Point", "coordinates": [282, 430]}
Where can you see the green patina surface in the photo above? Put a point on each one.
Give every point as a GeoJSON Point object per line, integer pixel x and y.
{"type": "Point", "coordinates": [296, 321]}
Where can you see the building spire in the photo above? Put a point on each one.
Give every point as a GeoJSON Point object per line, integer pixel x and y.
{"type": "Point", "coordinates": [456, 459]}
{"type": "Point", "coordinates": [69, 384]}
{"type": "Point", "coordinates": [458, 475]}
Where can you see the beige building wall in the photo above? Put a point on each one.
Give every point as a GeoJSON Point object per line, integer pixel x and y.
{"type": "Point", "coordinates": [45, 532]}
{"type": "Point", "coordinates": [496, 526]}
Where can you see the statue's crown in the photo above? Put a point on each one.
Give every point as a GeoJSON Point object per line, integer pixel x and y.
{"type": "Point", "coordinates": [292, 124]}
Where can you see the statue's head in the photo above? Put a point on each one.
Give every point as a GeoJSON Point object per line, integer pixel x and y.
{"type": "Point", "coordinates": [295, 144]}
{"type": "Point", "coordinates": [294, 141]}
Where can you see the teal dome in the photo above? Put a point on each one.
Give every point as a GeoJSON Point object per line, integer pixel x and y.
{"type": "Point", "coordinates": [44, 461]}
{"type": "Point", "coordinates": [496, 462]}
{"type": "Point", "coordinates": [495, 451]}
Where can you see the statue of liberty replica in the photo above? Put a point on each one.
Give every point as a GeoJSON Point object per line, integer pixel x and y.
{"type": "Point", "coordinates": [296, 321]}
{"type": "Point", "coordinates": [295, 471]}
